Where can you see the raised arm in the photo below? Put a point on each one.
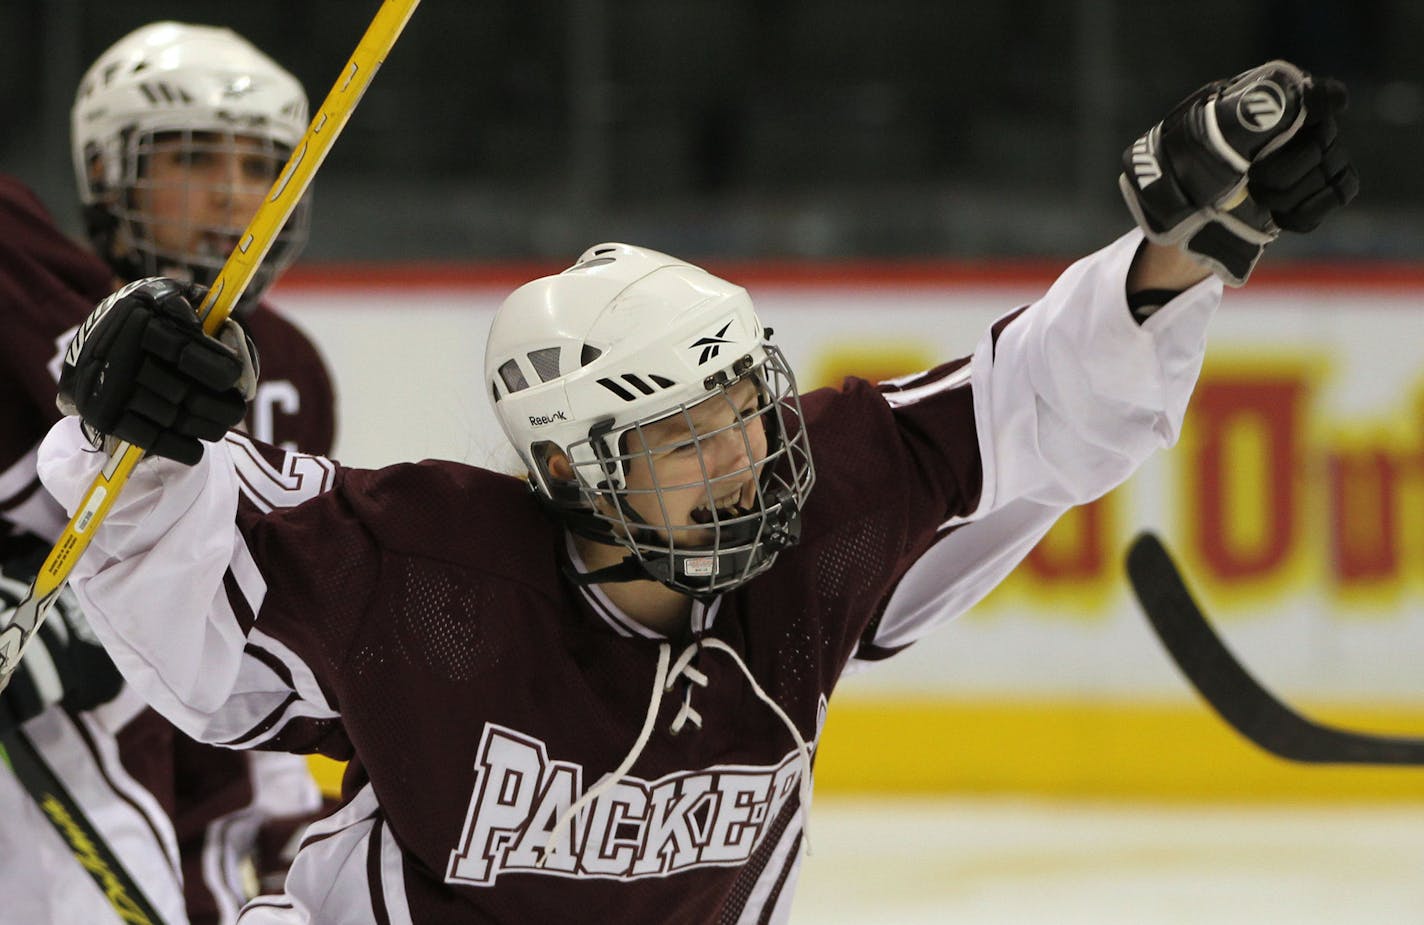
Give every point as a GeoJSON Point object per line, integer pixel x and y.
{"type": "Point", "coordinates": [1072, 394]}
{"type": "Point", "coordinates": [1210, 186]}
{"type": "Point", "coordinates": [174, 579]}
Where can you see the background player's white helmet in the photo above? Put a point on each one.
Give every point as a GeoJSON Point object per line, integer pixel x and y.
{"type": "Point", "coordinates": [202, 91]}
{"type": "Point", "coordinates": [624, 338]}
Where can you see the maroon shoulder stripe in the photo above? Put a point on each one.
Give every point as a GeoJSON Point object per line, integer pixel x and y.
{"type": "Point", "coordinates": [373, 874]}
{"type": "Point", "coordinates": [241, 609]}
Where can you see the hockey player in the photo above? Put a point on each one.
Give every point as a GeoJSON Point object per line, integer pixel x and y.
{"type": "Point", "coordinates": [594, 696]}
{"type": "Point", "coordinates": [178, 132]}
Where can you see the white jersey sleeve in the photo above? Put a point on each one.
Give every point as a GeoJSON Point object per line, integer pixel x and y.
{"type": "Point", "coordinates": [1071, 396]}
{"type": "Point", "coordinates": [166, 553]}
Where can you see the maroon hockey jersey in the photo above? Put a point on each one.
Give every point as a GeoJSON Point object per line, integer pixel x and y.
{"type": "Point", "coordinates": [419, 619]}
{"type": "Point", "coordinates": [480, 691]}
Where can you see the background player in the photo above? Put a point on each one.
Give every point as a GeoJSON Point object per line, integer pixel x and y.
{"type": "Point", "coordinates": [178, 132]}
{"type": "Point", "coordinates": [604, 714]}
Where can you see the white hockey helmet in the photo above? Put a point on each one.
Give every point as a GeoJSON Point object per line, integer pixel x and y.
{"type": "Point", "coordinates": [202, 87]}
{"type": "Point", "coordinates": [624, 338]}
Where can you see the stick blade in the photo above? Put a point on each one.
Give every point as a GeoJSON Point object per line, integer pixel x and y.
{"type": "Point", "coordinates": [1229, 689]}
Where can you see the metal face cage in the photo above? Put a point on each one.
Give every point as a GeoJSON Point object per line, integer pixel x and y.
{"type": "Point", "coordinates": [184, 199]}
{"type": "Point", "coordinates": [706, 494]}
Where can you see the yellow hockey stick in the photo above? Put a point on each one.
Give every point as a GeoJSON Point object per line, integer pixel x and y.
{"type": "Point", "coordinates": [232, 280]}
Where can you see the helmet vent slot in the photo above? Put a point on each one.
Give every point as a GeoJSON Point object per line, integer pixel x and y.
{"type": "Point", "coordinates": [545, 363]}
{"type": "Point", "coordinates": [638, 384]}
{"type": "Point", "coordinates": [590, 264]}
{"type": "Point", "coordinates": [513, 378]}
{"type": "Point", "coordinates": [162, 93]}
{"type": "Point", "coordinates": [616, 389]}
{"type": "Point", "coordinates": [589, 354]}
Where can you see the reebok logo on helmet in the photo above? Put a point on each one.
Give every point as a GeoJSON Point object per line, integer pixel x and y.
{"type": "Point", "coordinates": [711, 346]}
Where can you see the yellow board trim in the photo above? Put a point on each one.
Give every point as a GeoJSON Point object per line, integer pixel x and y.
{"type": "Point", "coordinates": [1087, 749]}
{"type": "Point", "coordinates": [327, 773]}
{"type": "Point", "coordinates": [1090, 749]}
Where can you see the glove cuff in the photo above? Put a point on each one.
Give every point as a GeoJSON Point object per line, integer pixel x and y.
{"type": "Point", "coordinates": [1227, 255]}
{"type": "Point", "coordinates": [232, 336]}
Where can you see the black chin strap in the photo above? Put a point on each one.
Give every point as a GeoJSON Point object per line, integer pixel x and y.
{"type": "Point", "coordinates": [630, 569]}
{"type": "Point", "coordinates": [583, 524]}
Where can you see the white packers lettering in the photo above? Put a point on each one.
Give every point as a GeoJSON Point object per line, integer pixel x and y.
{"type": "Point", "coordinates": [636, 828]}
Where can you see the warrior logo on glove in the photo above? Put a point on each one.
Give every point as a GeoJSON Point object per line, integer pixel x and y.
{"type": "Point", "coordinates": [76, 345]}
{"type": "Point", "coordinates": [1260, 109]}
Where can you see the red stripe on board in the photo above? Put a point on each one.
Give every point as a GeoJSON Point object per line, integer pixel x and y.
{"type": "Point", "coordinates": [412, 275]}
{"type": "Point", "coordinates": [1369, 275]}
{"type": "Point", "coordinates": [828, 273]}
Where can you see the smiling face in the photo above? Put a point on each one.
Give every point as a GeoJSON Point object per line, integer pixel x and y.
{"type": "Point", "coordinates": [199, 191]}
{"type": "Point", "coordinates": [693, 499]}
{"type": "Point", "coordinates": [694, 474]}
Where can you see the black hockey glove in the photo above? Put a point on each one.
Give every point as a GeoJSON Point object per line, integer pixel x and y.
{"type": "Point", "coordinates": [141, 369]}
{"type": "Point", "coordinates": [64, 664]}
{"type": "Point", "coordinates": [1310, 176]}
{"type": "Point", "coordinates": [1186, 180]}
